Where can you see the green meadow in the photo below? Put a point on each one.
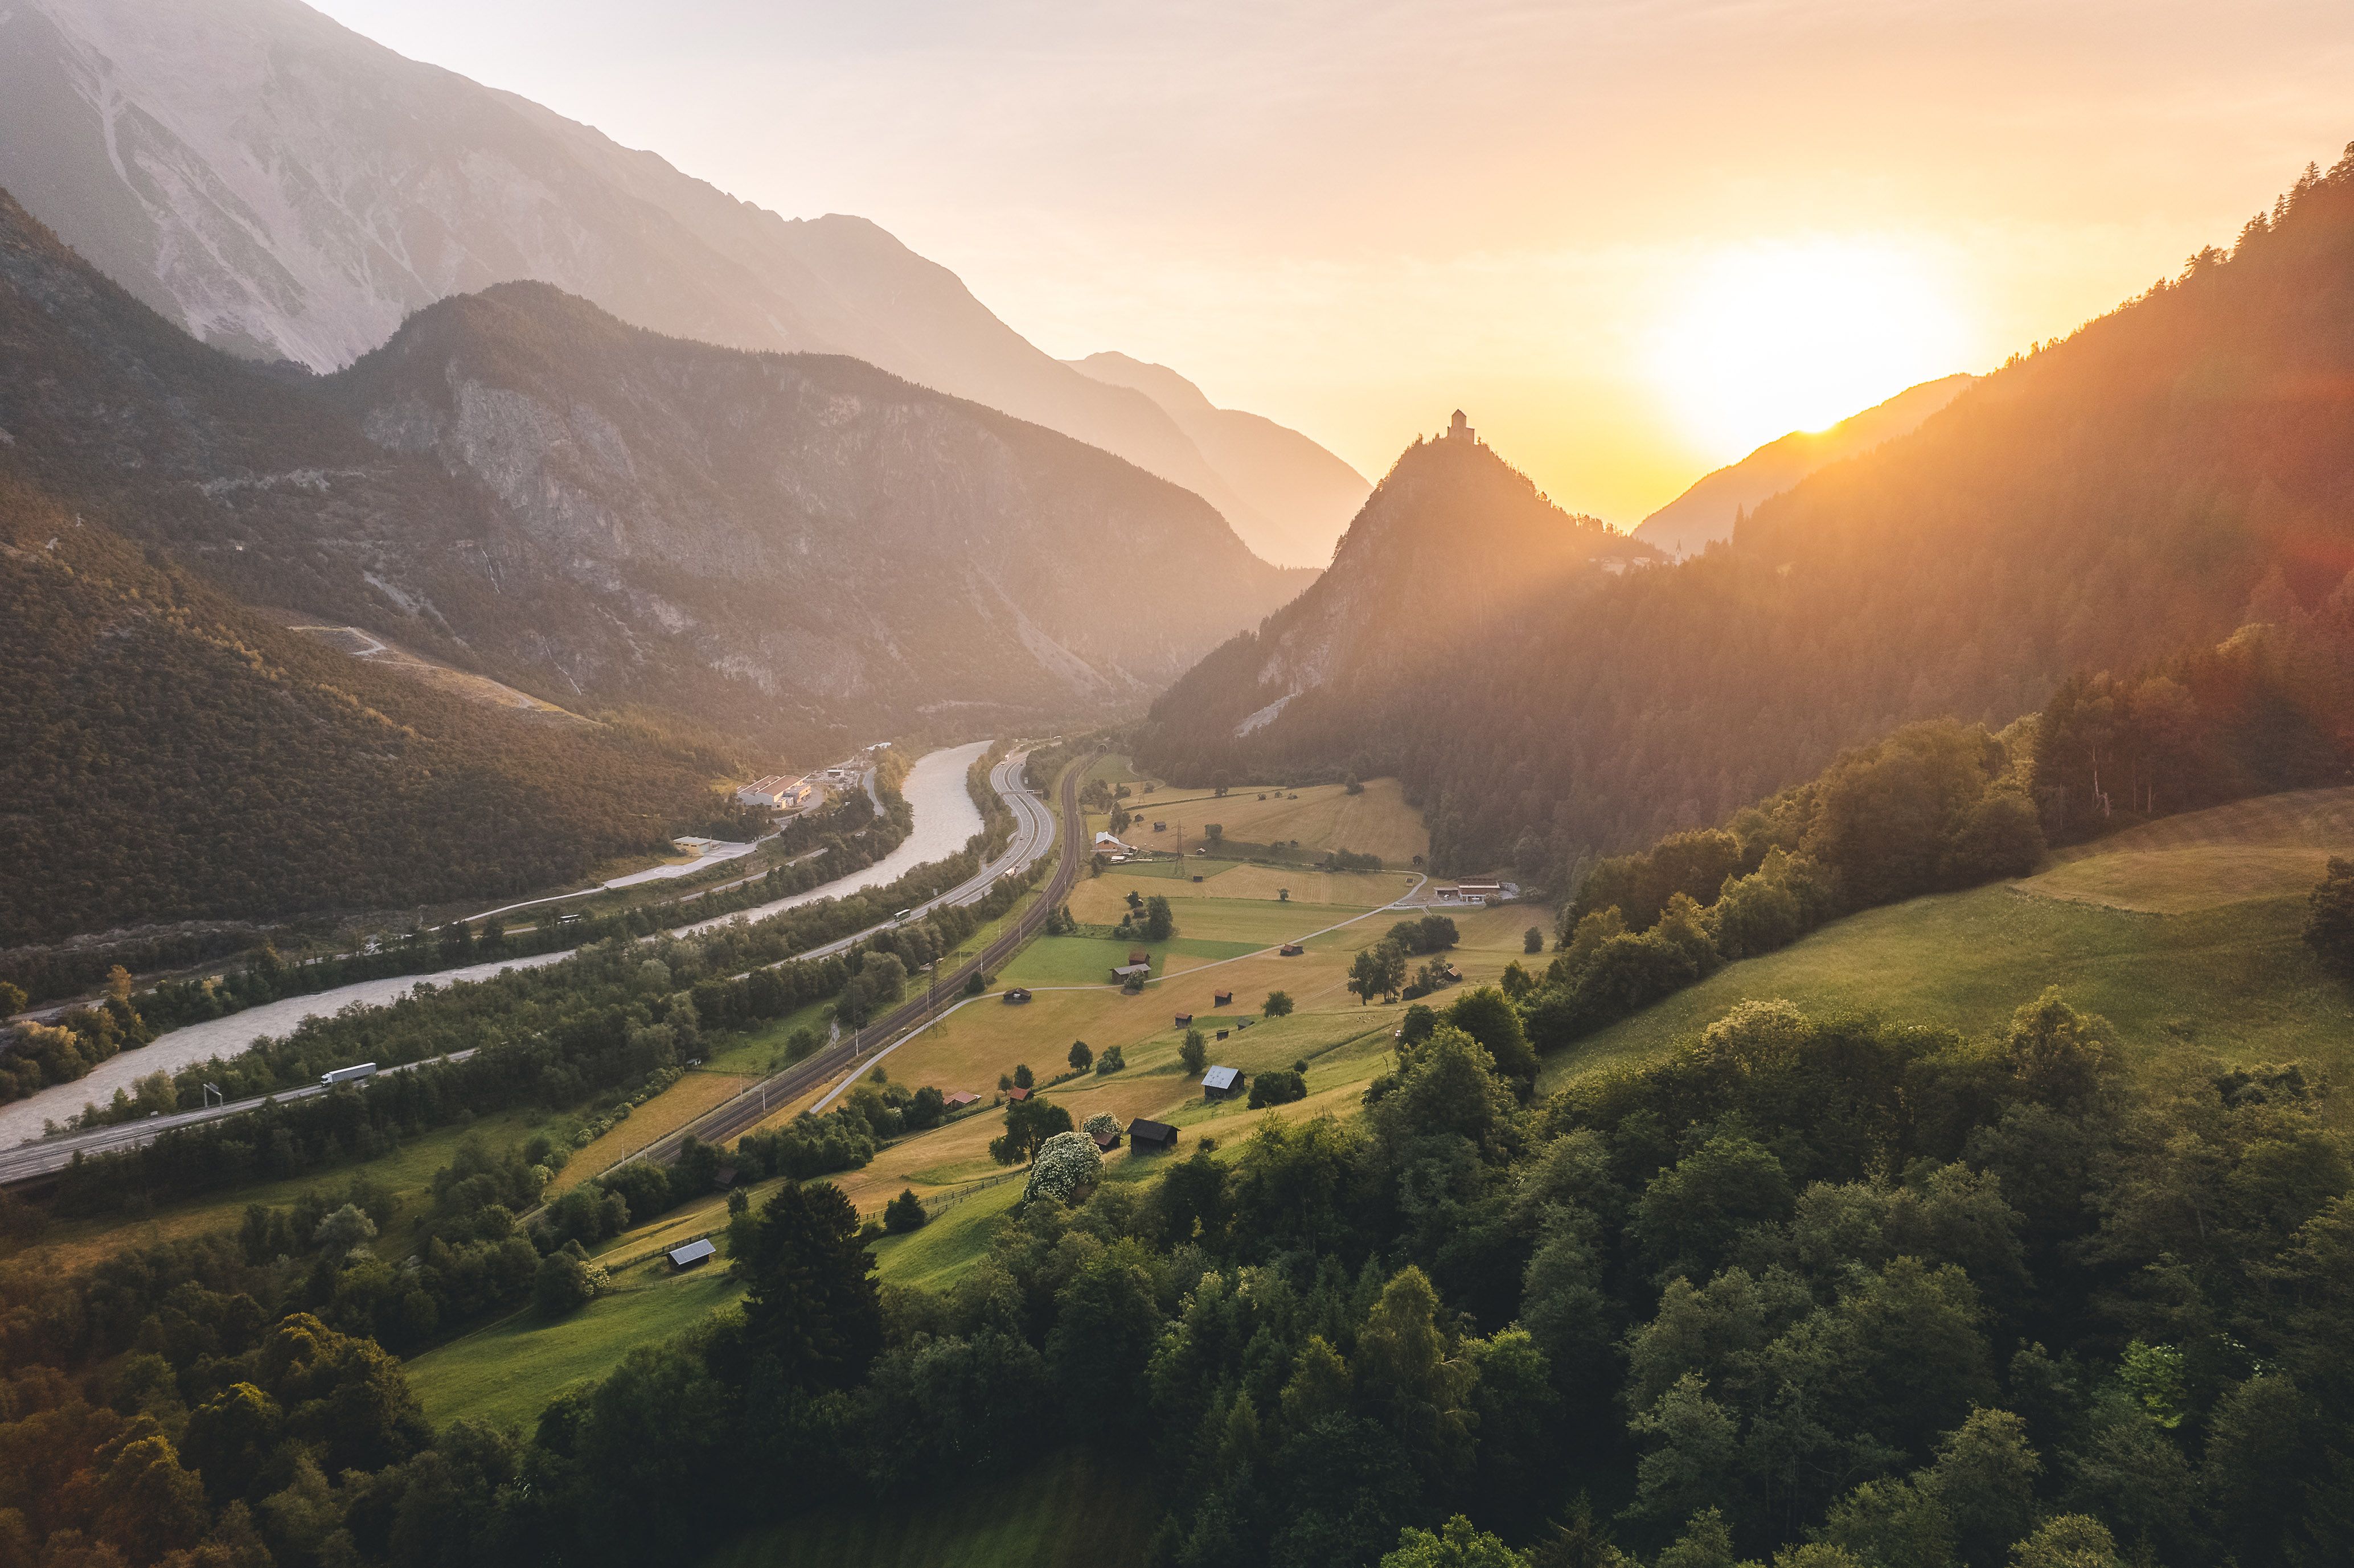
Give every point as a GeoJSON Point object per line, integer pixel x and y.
{"type": "Point", "coordinates": [2154, 929]}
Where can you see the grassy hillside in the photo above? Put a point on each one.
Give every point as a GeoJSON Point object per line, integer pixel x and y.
{"type": "Point", "coordinates": [2270, 847]}
{"type": "Point", "coordinates": [505, 1372]}
{"type": "Point", "coordinates": [2184, 932]}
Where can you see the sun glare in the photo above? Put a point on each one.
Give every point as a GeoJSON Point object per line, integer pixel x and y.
{"type": "Point", "coordinates": [1765, 340]}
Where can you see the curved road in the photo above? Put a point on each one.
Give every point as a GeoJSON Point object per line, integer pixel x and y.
{"type": "Point", "coordinates": [1034, 832]}
{"type": "Point", "coordinates": [44, 1159]}
{"type": "Point", "coordinates": [1035, 829]}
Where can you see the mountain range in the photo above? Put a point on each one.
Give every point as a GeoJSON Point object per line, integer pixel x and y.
{"type": "Point", "coordinates": [1301, 496]}
{"type": "Point", "coordinates": [284, 188]}
{"type": "Point", "coordinates": [1708, 511]}
{"type": "Point", "coordinates": [791, 547]}
{"type": "Point", "coordinates": [2101, 503]}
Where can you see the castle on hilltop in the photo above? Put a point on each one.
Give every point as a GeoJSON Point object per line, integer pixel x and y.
{"type": "Point", "coordinates": [1457, 431]}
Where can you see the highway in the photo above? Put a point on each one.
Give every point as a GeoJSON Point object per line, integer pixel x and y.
{"type": "Point", "coordinates": [52, 1155]}
{"type": "Point", "coordinates": [1035, 830]}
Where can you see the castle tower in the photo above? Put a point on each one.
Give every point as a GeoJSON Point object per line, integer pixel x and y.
{"type": "Point", "coordinates": [1457, 430]}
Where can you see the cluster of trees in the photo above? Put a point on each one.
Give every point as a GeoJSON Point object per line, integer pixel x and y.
{"type": "Point", "coordinates": [1148, 919]}
{"type": "Point", "coordinates": [44, 973]}
{"type": "Point", "coordinates": [2097, 504]}
{"type": "Point", "coordinates": [34, 1056]}
{"type": "Point", "coordinates": [2268, 710]}
{"type": "Point", "coordinates": [471, 1254]}
{"type": "Point", "coordinates": [1380, 968]}
{"type": "Point", "coordinates": [2329, 916]}
{"type": "Point", "coordinates": [1278, 1086]}
{"type": "Point", "coordinates": [1933, 807]}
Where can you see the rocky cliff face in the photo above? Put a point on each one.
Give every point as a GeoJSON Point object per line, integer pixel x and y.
{"type": "Point", "coordinates": [284, 188]}
{"type": "Point", "coordinates": [783, 544]}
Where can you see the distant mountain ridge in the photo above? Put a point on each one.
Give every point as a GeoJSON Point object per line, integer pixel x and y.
{"type": "Point", "coordinates": [1300, 496]}
{"type": "Point", "coordinates": [794, 548]}
{"type": "Point", "coordinates": [284, 188]}
{"type": "Point", "coordinates": [1706, 513]}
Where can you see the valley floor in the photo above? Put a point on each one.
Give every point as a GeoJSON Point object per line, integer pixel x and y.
{"type": "Point", "coordinates": [945, 816]}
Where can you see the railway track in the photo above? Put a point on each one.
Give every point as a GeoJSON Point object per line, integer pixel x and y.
{"type": "Point", "coordinates": [725, 1123]}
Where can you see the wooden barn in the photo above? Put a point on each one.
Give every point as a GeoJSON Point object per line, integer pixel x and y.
{"type": "Point", "coordinates": [1151, 1137]}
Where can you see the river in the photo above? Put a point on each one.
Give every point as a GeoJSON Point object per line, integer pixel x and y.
{"type": "Point", "coordinates": [935, 791]}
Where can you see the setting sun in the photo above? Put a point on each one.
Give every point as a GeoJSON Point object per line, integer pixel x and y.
{"type": "Point", "coordinates": [1768, 339]}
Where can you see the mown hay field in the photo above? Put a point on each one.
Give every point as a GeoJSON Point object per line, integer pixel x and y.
{"type": "Point", "coordinates": [1322, 817]}
{"type": "Point", "coordinates": [2272, 847]}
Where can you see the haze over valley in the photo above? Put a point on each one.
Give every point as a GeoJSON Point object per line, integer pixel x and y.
{"type": "Point", "coordinates": [673, 889]}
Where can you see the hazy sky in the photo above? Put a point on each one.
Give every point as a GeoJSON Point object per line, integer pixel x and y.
{"type": "Point", "coordinates": [1632, 240]}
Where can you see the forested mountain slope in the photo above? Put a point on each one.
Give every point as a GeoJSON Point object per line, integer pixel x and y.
{"type": "Point", "coordinates": [1453, 543]}
{"type": "Point", "coordinates": [1706, 513]}
{"type": "Point", "coordinates": [797, 548]}
{"type": "Point", "coordinates": [287, 189]}
{"type": "Point", "coordinates": [1298, 497]}
{"type": "Point", "coordinates": [166, 755]}
{"type": "Point", "coordinates": [2097, 504]}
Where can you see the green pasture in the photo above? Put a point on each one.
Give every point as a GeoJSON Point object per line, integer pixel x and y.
{"type": "Point", "coordinates": [505, 1372]}
{"type": "Point", "coordinates": [2235, 980]}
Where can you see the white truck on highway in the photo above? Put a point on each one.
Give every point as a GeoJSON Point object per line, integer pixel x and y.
{"type": "Point", "coordinates": [347, 1075]}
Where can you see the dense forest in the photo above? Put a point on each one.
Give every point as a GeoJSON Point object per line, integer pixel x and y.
{"type": "Point", "coordinates": [2097, 504]}
{"type": "Point", "coordinates": [1862, 1295]}
{"type": "Point", "coordinates": [166, 755]}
